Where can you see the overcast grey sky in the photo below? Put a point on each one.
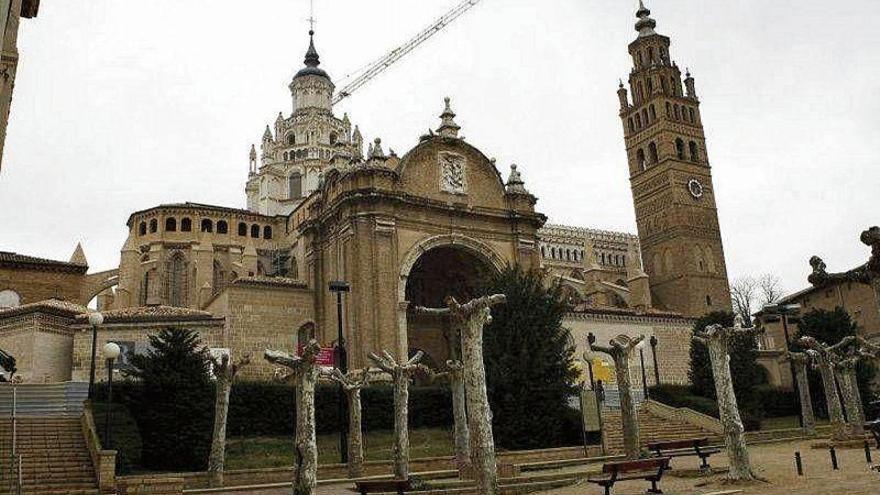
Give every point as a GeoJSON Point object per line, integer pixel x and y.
{"type": "Point", "coordinates": [121, 105]}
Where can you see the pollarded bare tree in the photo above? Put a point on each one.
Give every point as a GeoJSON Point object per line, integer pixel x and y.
{"type": "Point", "coordinates": [455, 375]}
{"type": "Point", "coordinates": [801, 360]}
{"type": "Point", "coordinates": [401, 373]}
{"type": "Point", "coordinates": [471, 318]}
{"type": "Point", "coordinates": [304, 372]}
{"type": "Point", "coordinates": [852, 399]}
{"type": "Point", "coordinates": [352, 383]}
{"type": "Point", "coordinates": [717, 338]}
{"type": "Point", "coordinates": [224, 370]}
{"type": "Point", "coordinates": [868, 274]}
{"type": "Point", "coordinates": [621, 349]}
{"type": "Point", "coordinates": [824, 358]}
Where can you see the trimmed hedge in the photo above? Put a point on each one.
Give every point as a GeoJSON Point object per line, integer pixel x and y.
{"type": "Point", "coordinates": [267, 409]}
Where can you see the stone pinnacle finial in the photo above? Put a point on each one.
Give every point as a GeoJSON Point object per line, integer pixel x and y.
{"type": "Point", "coordinates": [267, 135]}
{"type": "Point", "coordinates": [79, 256]}
{"type": "Point", "coordinates": [448, 127]}
{"type": "Point", "coordinates": [645, 26]}
{"type": "Point", "coordinates": [376, 149]}
{"type": "Point", "coordinates": [253, 153]}
{"type": "Point", "coordinates": [515, 183]}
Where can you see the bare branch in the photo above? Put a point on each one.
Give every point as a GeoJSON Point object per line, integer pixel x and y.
{"type": "Point", "coordinates": [282, 359]}
{"type": "Point", "coordinates": [415, 359]}
{"type": "Point", "coordinates": [382, 363]}
{"type": "Point", "coordinates": [420, 310]}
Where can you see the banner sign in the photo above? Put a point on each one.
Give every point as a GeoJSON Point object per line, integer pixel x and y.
{"type": "Point", "coordinates": [590, 410]}
{"type": "Point", "coordinates": [326, 356]}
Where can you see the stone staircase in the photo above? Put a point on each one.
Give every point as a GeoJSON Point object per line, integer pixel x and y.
{"type": "Point", "coordinates": [55, 458]}
{"type": "Point", "coordinates": [659, 423]}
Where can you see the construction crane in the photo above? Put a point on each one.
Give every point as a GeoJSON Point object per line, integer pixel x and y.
{"type": "Point", "coordinates": [375, 68]}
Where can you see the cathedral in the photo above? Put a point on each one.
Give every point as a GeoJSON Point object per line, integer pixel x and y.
{"type": "Point", "coordinates": [400, 231]}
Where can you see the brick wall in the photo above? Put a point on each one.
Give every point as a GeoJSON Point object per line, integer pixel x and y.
{"type": "Point", "coordinates": [41, 344]}
{"type": "Point", "coordinates": [38, 285]}
{"type": "Point", "coordinates": [260, 318]}
{"type": "Point", "coordinates": [673, 335]}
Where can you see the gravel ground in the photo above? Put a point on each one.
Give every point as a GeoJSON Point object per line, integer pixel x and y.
{"type": "Point", "coordinates": [774, 462]}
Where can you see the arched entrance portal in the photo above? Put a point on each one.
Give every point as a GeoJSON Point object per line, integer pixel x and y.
{"type": "Point", "coordinates": [440, 272]}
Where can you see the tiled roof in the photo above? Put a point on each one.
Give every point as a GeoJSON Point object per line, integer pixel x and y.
{"type": "Point", "coordinates": [150, 314]}
{"type": "Point", "coordinates": [9, 258]}
{"type": "Point", "coordinates": [50, 306]}
{"type": "Point", "coordinates": [609, 310]}
{"type": "Point", "coordinates": [270, 281]}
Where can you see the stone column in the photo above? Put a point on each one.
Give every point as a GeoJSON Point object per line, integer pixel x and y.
{"type": "Point", "coordinates": [800, 365]}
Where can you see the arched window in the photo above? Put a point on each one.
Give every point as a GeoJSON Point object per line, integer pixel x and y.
{"type": "Point", "coordinates": [677, 112]}
{"type": "Point", "coordinates": [176, 287]}
{"type": "Point", "coordinates": [653, 112]}
{"type": "Point", "coordinates": [255, 231]}
{"type": "Point", "coordinates": [186, 225]}
{"type": "Point", "coordinates": [708, 300]}
{"type": "Point", "coordinates": [333, 138]}
{"type": "Point", "coordinates": [568, 254]}
{"type": "Point", "coordinates": [553, 253]}
{"type": "Point", "coordinates": [652, 152]}
{"type": "Point", "coordinates": [679, 148]}
{"type": "Point", "coordinates": [267, 232]}
{"type": "Point", "coordinates": [142, 228]}
{"type": "Point", "coordinates": [640, 160]}
{"type": "Point", "coordinates": [695, 151]}
{"type": "Point", "coordinates": [638, 121]}
{"type": "Point", "coordinates": [668, 110]}
{"type": "Point", "coordinates": [294, 185]}
{"type": "Point", "coordinates": [286, 156]}
{"type": "Point", "coordinates": [645, 116]}
{"type": "Point", "coordinates": [222, 227]}
{"type": "Point", "coordinates": [674, 86]}
{"type": "Point", "coordinates": [632, 125]}
{"type": "Point", "coordinates": [650, 86]}
{"type": "Point", "coordinates": [603, 258]}
{"type": "Point", "coordinates": [543, 251]}
{"type": "Point", "coordinates": [641, 92]}
{"type": "Point", "coordinates": [291, 139]}
{"type": "Point", "coordinates": [146, 283]}
{"type": "Point", "coordinates": [9, 299]}
{"type": "Point", "coordinates": [154, 226]}
{"type": "Point", "coordinates": [170, 224]}
{"type": "Point", "coordinates": [664, 85]}
{"type": "Point", "coordinates": [693, 115]}
{"type": "Point", "coordinates": [207, 225]}
{"type": "Point", "coordinates": [242, 229]}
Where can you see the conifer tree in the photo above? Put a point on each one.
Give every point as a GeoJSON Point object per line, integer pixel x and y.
{"type": "Point", "coordinates": [173, 405]}
{"type": "Point", "coordinates": [529, 359]}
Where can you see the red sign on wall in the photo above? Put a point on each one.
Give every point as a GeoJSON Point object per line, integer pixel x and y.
{"type": "Point", "coordinates": [326, 356]}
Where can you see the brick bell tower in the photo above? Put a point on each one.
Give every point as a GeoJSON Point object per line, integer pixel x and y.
{"type": "Point", "coordinates": [671, 179]}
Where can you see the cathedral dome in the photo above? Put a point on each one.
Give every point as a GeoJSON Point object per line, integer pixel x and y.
{"type": "Point", "coordinates": [312, 61]}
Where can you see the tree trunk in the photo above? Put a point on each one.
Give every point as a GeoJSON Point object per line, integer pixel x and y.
{"type": "Point", "coordinates": [401, 426]}
{"type": "Point", "coordinates": [305, 469]}
{"type": "Point", "coordinates": [459, 412]}
{"type": "Point", "coordinates": [734, 432]}
{"type": "Point", "coordinates": [852, 400]}
{"type": "Point", "coordinates": [835, 412]}
{"type": "Point", "coordinates": [629, 415]}
{"type": "Point", "coordinates": [217, 459]}
{"type": "Point", "coordinates": [800, 366]}
{"type": "Point", "coordinates": [480, 415]}
{"type": "Point", "coordinates": [355, 435]}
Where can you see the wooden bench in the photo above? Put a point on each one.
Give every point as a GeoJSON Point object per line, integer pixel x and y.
{"type": "Point", "coordinates": [693, 447]}
{"type": "Point", "coordinates": [650, 469]}
{"type": "Point", "coordinates": [874, 428]}
{"type": "Point", "coordinates": [383, 486]}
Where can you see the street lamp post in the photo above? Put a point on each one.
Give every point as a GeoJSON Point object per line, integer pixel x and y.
{"type": "Point", "coordinates": [783, 311]}
{"type": "Point", "coordinates": [111, 352]}
{"type": "Point", "coordinates": [641, 347]}
{"type": "Point", "coordinates": [339, 288]}
{"type": "Point", "coordinates": [590, 356]}
{"type": "Point", "coordinates": [95, 320]}
{"type": "Point", "coordinates": [653, 343]}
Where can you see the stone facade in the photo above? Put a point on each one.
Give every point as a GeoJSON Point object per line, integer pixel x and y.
{"type": "Point", "coordinates": [671, 179]}
{"type": "Point", "coordinates": [40, 337]}
{"type": "Point", "coordinates": [26, 280]}
{"type": "Point", "coordinates": [406, 231]}
{"type": "Point", "coordinates": [11, 12]}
